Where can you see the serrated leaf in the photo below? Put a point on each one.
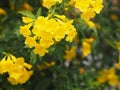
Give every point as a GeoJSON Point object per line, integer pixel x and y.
{"type": "Point", "coordinates": [28, 14]}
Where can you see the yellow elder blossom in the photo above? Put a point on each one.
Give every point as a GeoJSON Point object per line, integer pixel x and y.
{"type": "Point", "coordinates": [41, 37]}
{"type": "Point", "coordinates": [16, 68]}
{"type": "Point", "coordinates": [108, 76]}
{"type": "Point", "coordinates": [86, 46]}
{"type": "Point", "coordinates": [70, 54]}
{"type": "Point", "coordinates": [27, 20]}
{"type": "Point", "coordinates": [82, 5]}
{"type": "Point", "coordinates": [49, 3]}
{"type": "Point", "coordinates": [24, 30]}
{"type": "Point", "coordinates": [88, 9]}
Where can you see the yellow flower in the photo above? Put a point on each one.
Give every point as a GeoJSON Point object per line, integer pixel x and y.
{"type": "Point", "coordinates": [70, 54]}
{"type": "Point", "coordinates": [101, 79]}
{"type": "Point", "coordinates": [113, 79]}
{"type": "Point", "coordinates": [82, 5]}
{"type": "Point", "coordinates": [90, 24]}
{"type": "Point", "coordinates": [97, 6]}
{"type": "Point", "coordinates": [30, 41]}
{"type": "Point", "coordinates": [86, 46]}
{"type": "Point", "coordinates": [88, 9]}
{"type": "Point", "coordinates": [108, 76]}
{"type": "Point", "coordinates": [22, 79]}
{"type": "Point", "coordinates": [19, 71]}
{"type": "Point", "coordinates": [27, 19]}
{"type": "Point", "coordinates": [49, 3]}
{"type": "Point", "coordinates": [72, 2]}
{"type": "Point", "coordinates": [71, 35]}
{"type": "Point", "coordinates": [24, 30]}
{"type": "Point", "coordinates": [2, 11]}
{"type": "Point", "coordinates": [40, 49]}
{"type": "Point", "coordinates": [59, 28]}
{"type": "Point", "coordinates": [88, 14]}
{"type": "Point", "coordinates": [4, 64]}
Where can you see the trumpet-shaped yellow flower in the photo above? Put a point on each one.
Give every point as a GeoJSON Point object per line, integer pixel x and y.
{"type": "Point", "coordinates": [82, 5]}
{"type": "Point", "coordinates": [72, 2]}
{"type": "Point", "coordinates": [19, 71]}
{"type": "Point", "coordinates": [108, 76]}
{"type": "Point", "coordinates": [27, 19]}
{"type": "Point", "coordinates": [49, 3]}
{"type": "Point", "coordinates": [30, 41]}
{"type": "Point", "coordinates": [86, 46]}
{"type": "Point", "coordinates": [43, 37]}
{"type": "Point", "coordinates": [71, 35]}
{"type": "Point", "coordinates": [70, 54]}
{"type": "Point", "coordinates": [97, 5]}
{"type": "Point", "coordinates": [24, 30]}
{"type": "Point", "coordinates": [88, 14]}
{"type": "Point", "coordinates": [89, 9]}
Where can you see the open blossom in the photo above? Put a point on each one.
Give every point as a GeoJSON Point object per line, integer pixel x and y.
{"type": "Point", "coordinates": [70, 54]}
{"type": "Point", "coordinates": [18, 70]}
{"type": "Point", "coordinates": [41, 37]}
{"type": "Point", "coordinates": [88, 9]}
{"type": "Point", "coordinates": [108, 76]}
{"type": "Point", "coordinates": [49, 3]}
{"type": "Point", "coordinates": [86, 46]}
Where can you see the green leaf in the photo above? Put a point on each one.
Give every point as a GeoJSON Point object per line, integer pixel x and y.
{"type": "Point", "coordinates": [28, 14]}
{"type": "Point", "coordinates": [95, 31]}
{"type": "Point", "coordinates": [32, 58]}
{"type": "Point", "coordinates": [38, 12]}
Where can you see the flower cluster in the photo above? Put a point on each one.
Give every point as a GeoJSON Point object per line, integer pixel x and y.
{"type": "Point", "coordinates": [46, 31]}
{"type": "Point", "coordinates": [19, 71]}
{"type": "Point", "coordinates": [87, 8]}
{"type": "Point", "coordinates": [108, 76]}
